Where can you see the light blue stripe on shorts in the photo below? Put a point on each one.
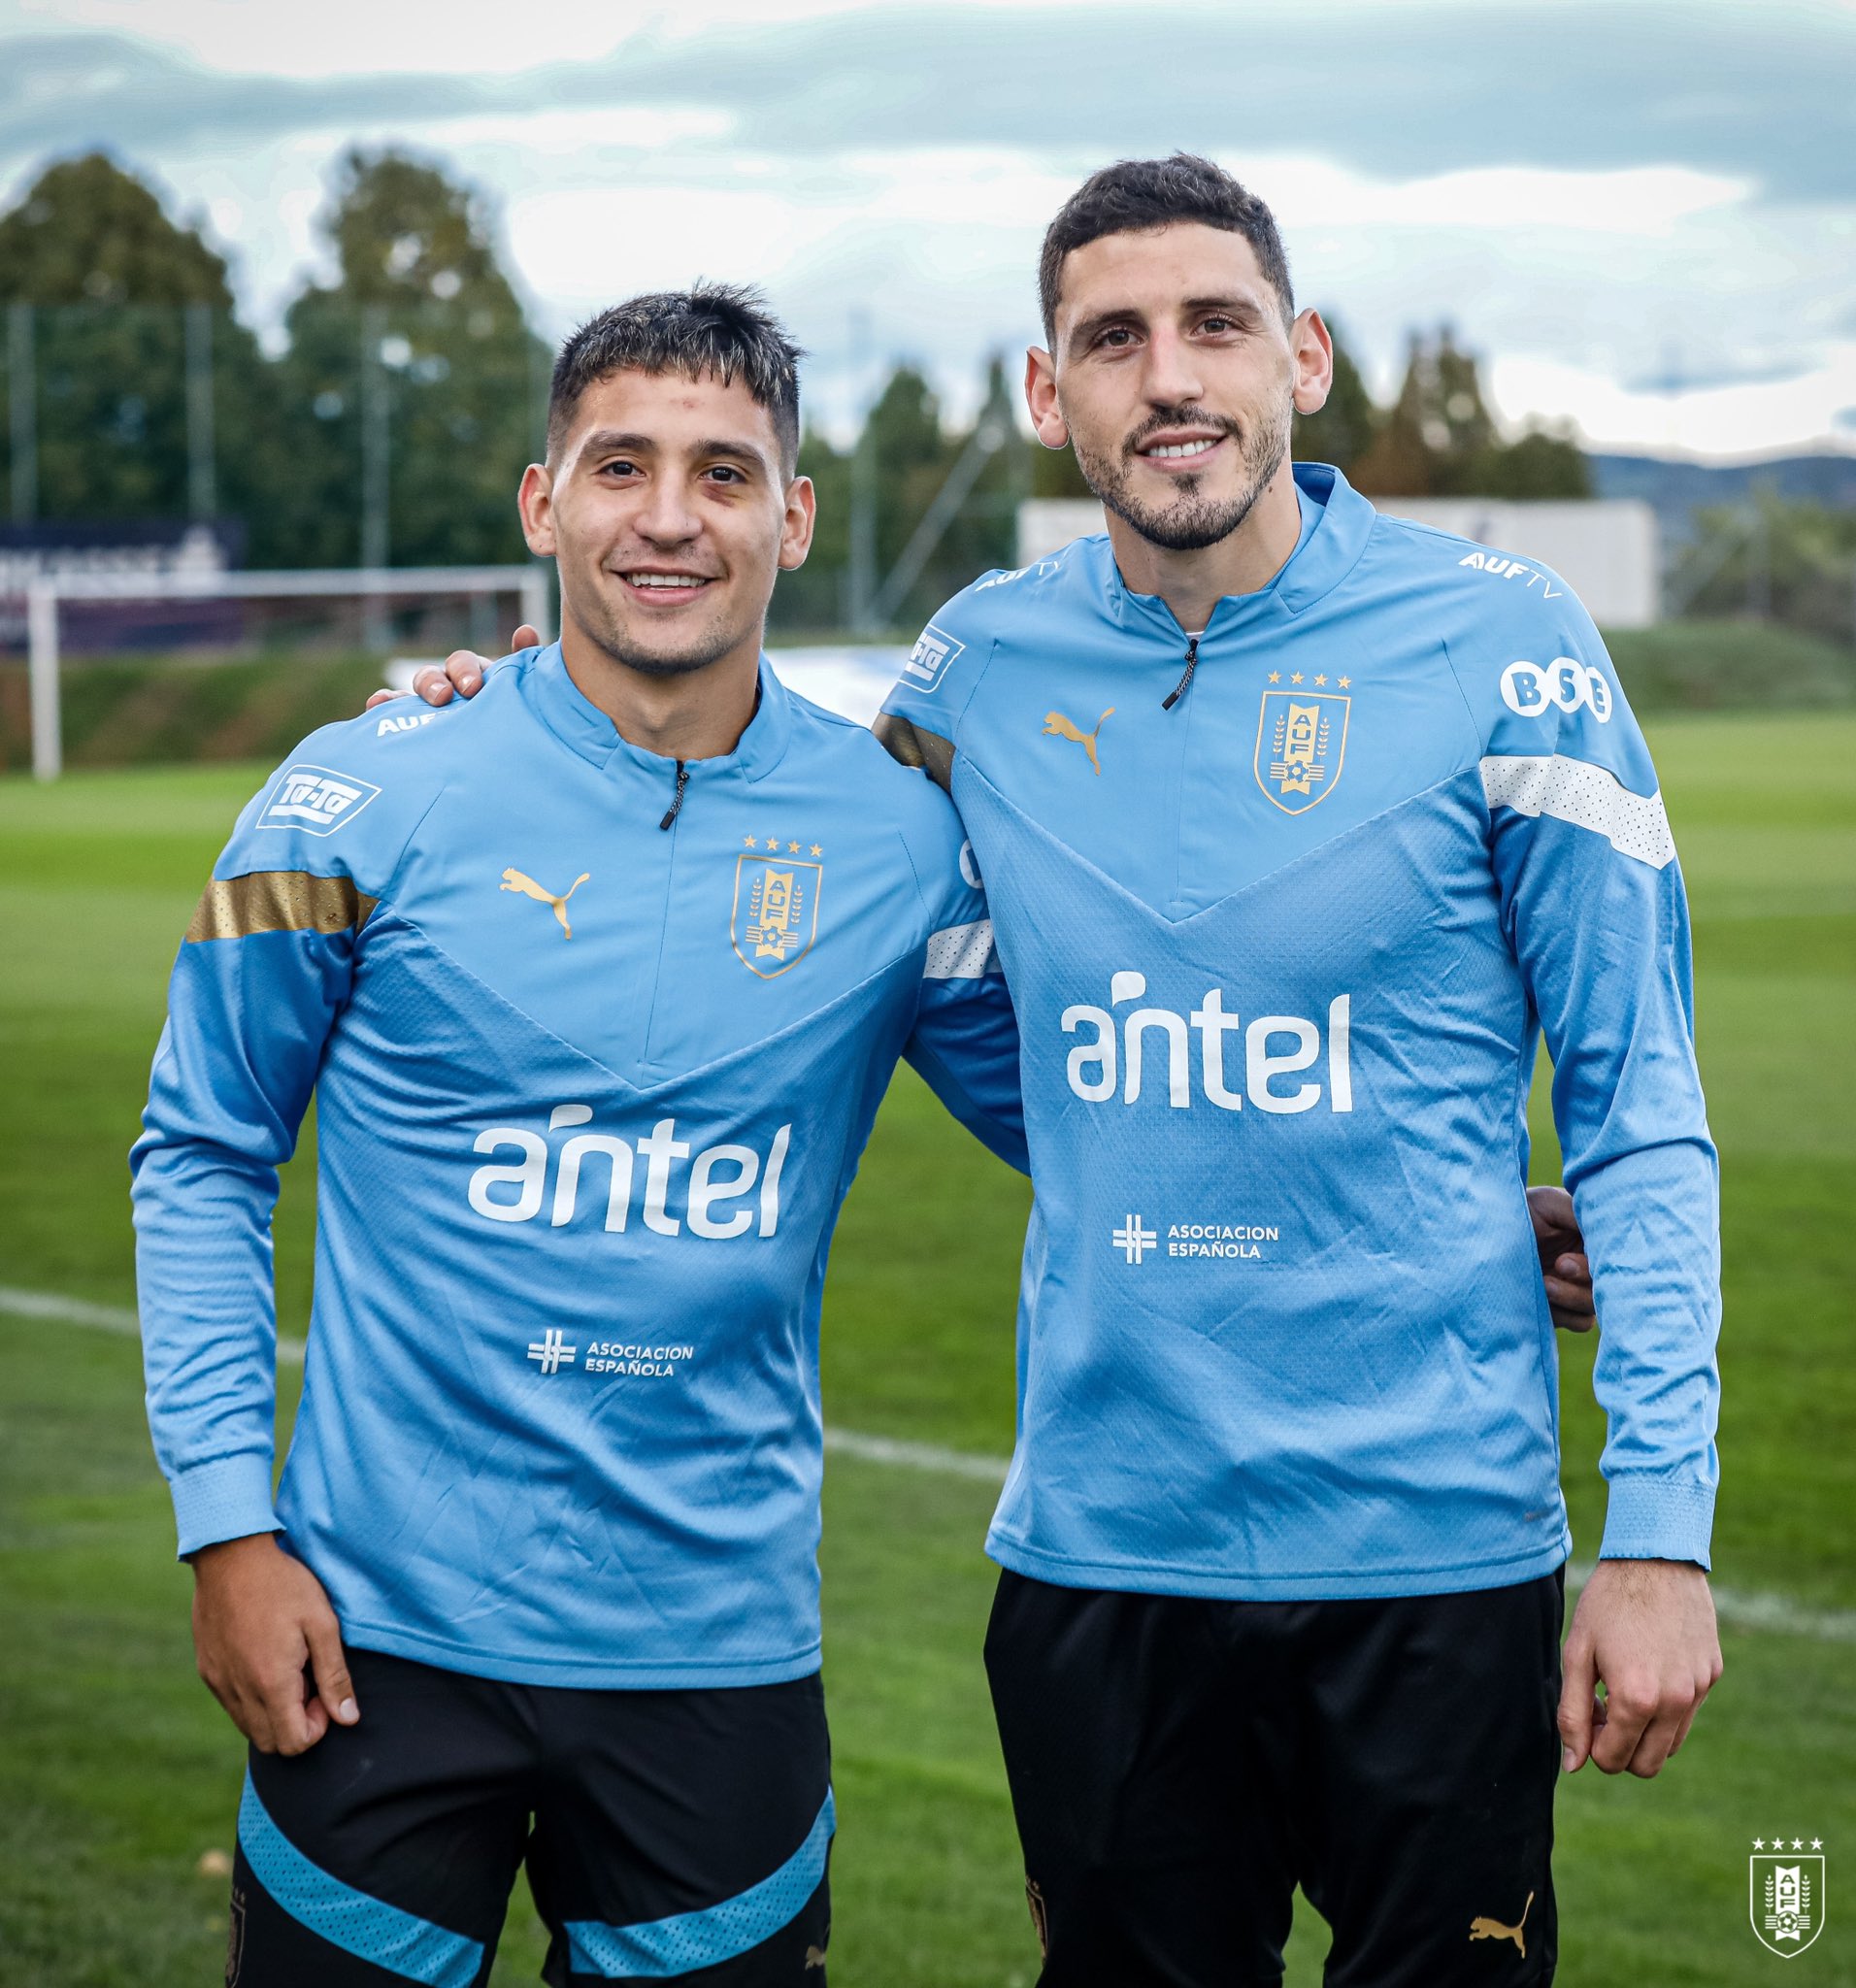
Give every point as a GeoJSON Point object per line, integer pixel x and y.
{"type": "Point", "coordinates": [659, 1950]}
{"type": "Point", "coordinates": [400, 1942]}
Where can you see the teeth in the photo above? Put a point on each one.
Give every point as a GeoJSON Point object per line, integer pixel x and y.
{"type": "Point", "coordinates": [668, 579]}
{"type": "Point", "coordinates": [1178, 448]}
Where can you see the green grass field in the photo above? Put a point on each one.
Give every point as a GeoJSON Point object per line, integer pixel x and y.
{"type": "Point", "coordinates": [116, 1771]}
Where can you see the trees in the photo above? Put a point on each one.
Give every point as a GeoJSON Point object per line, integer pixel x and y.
{"type": "Point", "coordinates": [415, 387]}
{"type": "Point", "coordinates": [1440, 440]}
{"type": "Point", "coordinates": [104, 294]}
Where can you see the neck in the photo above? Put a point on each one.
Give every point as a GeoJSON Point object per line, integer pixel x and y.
{"type": "Point", "coordinates": [694, 714]}
{"type": "Point", "coordinates": [1244, 562]}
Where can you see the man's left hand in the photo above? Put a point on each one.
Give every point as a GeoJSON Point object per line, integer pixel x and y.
{"type": "Point", "coordinates": [1564, 1267]}
{"type": "Point", "coordinates": [1645, 1630]}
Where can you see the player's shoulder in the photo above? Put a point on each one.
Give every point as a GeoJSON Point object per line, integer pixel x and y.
{"type": "Point", "coordinates": [999, 606]}
{"type": "Point", "coordinates": [350, 793]}
{"type": "Point", "coordinates": [1473, 589]}
{"type": "Point", "coordinates": [872, 782]}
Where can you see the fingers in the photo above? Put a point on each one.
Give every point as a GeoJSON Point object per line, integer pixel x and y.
{"type": "Point", "coordinates": [465, 668]}
{"type": "Point", "coordinates": [334, 1689]}
{"type": "Point", "coordinates": [1552, 1211]}
{"type": "Point", "coordinates": [1580, 1709]}
{"type": "Point", "coordinates": [1630, 1708]}
{"type": "Point", "coordinates": [381, 697]}
{"type": "Point", "coordinates": [432, 684]}
{"type": "Point", "coordinates": [526, 637]}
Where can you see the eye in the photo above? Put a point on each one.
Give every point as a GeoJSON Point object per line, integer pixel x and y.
{"type": "Point", "coordinates": [1117, 338]}
{"type": "Point", "coordinates": [1216, 325]}
{"type": "Point", "coordinates": [621, 467]}
{"type": "Point", "coordinates": [726, 473]}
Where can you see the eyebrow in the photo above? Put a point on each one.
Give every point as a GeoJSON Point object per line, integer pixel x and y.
{"type": "Point", "coordinates": [1233, 306]}
{"type": "Point", "coordinates": [608, 441]}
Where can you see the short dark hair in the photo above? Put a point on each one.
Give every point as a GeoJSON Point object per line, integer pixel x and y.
{"type": "Point", "coordinates": [1134, 194]}
{"type": "Point", "coordinates": [722, 328]}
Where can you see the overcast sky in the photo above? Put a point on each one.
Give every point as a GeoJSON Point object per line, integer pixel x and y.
{"type": "Point", "coordinates": [1641, 212]}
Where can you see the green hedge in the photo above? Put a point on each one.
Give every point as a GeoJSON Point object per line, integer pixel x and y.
{"type": "Point", "coordinates": [157, 711]}
{"type": "Point", "coordinates": [162, 710]}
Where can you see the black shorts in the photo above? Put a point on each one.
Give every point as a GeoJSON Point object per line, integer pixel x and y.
{"type": "Point", "coordinates": [1178, 1767]}
{"type": "Point", "coordinates": [672, 1834]}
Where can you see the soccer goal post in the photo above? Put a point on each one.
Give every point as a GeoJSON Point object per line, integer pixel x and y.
{"type": "Point", "coordinates": [46, 596]}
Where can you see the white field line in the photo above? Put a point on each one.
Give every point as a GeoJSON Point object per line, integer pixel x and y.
{"type": "Point", "coordinates": [1736, 1605]}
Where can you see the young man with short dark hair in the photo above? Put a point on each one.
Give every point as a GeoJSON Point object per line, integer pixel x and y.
{"type": "Point", "coordinates": [598, 985]}
{"type": "Point", "coordinates": [1283, 1539]}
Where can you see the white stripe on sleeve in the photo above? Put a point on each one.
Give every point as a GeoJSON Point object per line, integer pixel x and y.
{"type": "Point", "coordinates": [1587, 796]}
{"type": "Point", "coordinates": [961, 952]}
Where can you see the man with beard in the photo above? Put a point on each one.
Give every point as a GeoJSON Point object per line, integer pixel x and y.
{"type": "Point", "coordinates": [1298, 824]}
{"type": "Point", "coordinates": [1283, 1536]}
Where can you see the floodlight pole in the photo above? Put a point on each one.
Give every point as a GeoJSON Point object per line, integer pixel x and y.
{"type": "Point", "coordinates": [41, 652]}
{"type": "Point", "coordinates": [202, 497]}
{"type": "Point", "coordinates": [23, 414]}
{"type": "Point", "coordinates": [534, 600]}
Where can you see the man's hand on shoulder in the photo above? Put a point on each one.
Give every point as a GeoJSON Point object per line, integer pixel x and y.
{"type": "Point", "coordinates": [268, 1645]}
{"type": "Point", "coordinates": [1564, 1267]}
{"type": "Point", "coordinates": [1645, 1630]}
{"type": "Point", "coordinates": [463, 670]}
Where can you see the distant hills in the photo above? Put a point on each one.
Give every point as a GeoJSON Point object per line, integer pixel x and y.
{"type": "Point", "coordinates": [1676, 490]}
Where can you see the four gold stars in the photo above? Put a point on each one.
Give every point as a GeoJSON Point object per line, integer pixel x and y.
{"type": "Point", "coordinates": [773, 845]}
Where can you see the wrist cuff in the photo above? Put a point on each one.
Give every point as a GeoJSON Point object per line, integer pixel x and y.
{"type": "Point", "coordinates": [224, 1499]}
{"type": "Point", "coordinates": [1658, 1518]}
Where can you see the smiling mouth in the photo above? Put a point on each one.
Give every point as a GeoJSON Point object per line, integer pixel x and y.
{"type": "Point", "coordinates": [1179, 452]}
{"type": "Point", "coordinates": [667, 587]}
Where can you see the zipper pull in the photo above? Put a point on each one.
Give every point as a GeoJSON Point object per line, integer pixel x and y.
{"type": "Point", "coordinates": [677, 806]}
{"type": "Point", "coordinates": [1184, 683]}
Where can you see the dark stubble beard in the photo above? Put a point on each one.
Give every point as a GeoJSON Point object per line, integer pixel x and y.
{"type": "Point", "coordinates": [1193, 520]}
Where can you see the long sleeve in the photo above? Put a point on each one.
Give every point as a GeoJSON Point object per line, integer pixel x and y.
{"type": "Point", "coordinates": [965, 1040]}
{"type": "Point", "coordinates": [261, 976]}
{"type": "Point", "coordinates": [1595, 912]}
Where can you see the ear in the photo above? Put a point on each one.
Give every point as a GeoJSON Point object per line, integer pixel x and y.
{"type": "Point", "coordinates": [535, 501]}
{"type": "Point", "coordinates": [1041, 397]}
{"type": "Point", "coordinates": [796, 529]}
{"type": "Point", "coordinates": [1311, 348]}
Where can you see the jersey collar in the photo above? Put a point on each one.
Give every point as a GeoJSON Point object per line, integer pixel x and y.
{"type": "Point", "coordinates": [585, 729]}
{"type": "Point", "coordinates": [1319, 563]}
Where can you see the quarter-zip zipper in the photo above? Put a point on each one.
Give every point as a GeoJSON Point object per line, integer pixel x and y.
{"type": "Point", "coordinates": [1184, 683]}
{"type": "Point", "coordinates": [676, 803]}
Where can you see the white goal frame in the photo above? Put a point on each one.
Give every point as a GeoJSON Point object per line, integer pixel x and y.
{"type": "Point", "coordinates": [44, 596]}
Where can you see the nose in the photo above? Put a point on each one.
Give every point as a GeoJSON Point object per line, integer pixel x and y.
{"type": "Point", "coordinates": [1173, 377]}
{"type": "Point", "coordinates": [668, 517]}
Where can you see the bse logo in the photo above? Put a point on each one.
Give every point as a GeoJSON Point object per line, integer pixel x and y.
{"type": "Point", "coordinates": [315, 799]}
{"type": "Point", "coordinates": [935, 648]}
{"type": "Point", "coordinates": [1529, 688]}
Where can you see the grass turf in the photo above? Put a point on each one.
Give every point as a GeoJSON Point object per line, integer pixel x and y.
{"type": "Point", "coordinates": [118, 1773]}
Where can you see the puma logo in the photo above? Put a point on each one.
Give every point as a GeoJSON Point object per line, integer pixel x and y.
{"type": "Point", "coordinates": [513, 879]}
{"type": "Point", "coordinates": [1493, 1928]}
{"type": "Point", "coordinates": [815, 1958]}
{"type": "Point", "coordinates": [1057, 726]}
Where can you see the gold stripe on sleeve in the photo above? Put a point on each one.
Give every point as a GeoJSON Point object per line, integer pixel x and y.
{"type": "Point", "coordinates": [279, 901]}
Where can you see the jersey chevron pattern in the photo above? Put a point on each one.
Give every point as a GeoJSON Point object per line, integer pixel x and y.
{"type": "Point", "coordinates": [593, 1071]}
{"type": "Point", "coordinates": [1280, 955]}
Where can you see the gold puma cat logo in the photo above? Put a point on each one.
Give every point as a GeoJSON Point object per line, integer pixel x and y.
{"type": "Point", "coordinates": [1493, 1928]}
{"type": "Point", "coordinates": [815, 1958]}
{"type": "Point", "coordinates": [513, 879]}
{"type": "Point", "coordinates": [1057, 726]}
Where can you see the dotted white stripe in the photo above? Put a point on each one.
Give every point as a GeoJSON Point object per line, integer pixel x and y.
{"type": "Point", "coordinates": [961, 952]}
{"type": "Point", "coordinates": [1587, 796]}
